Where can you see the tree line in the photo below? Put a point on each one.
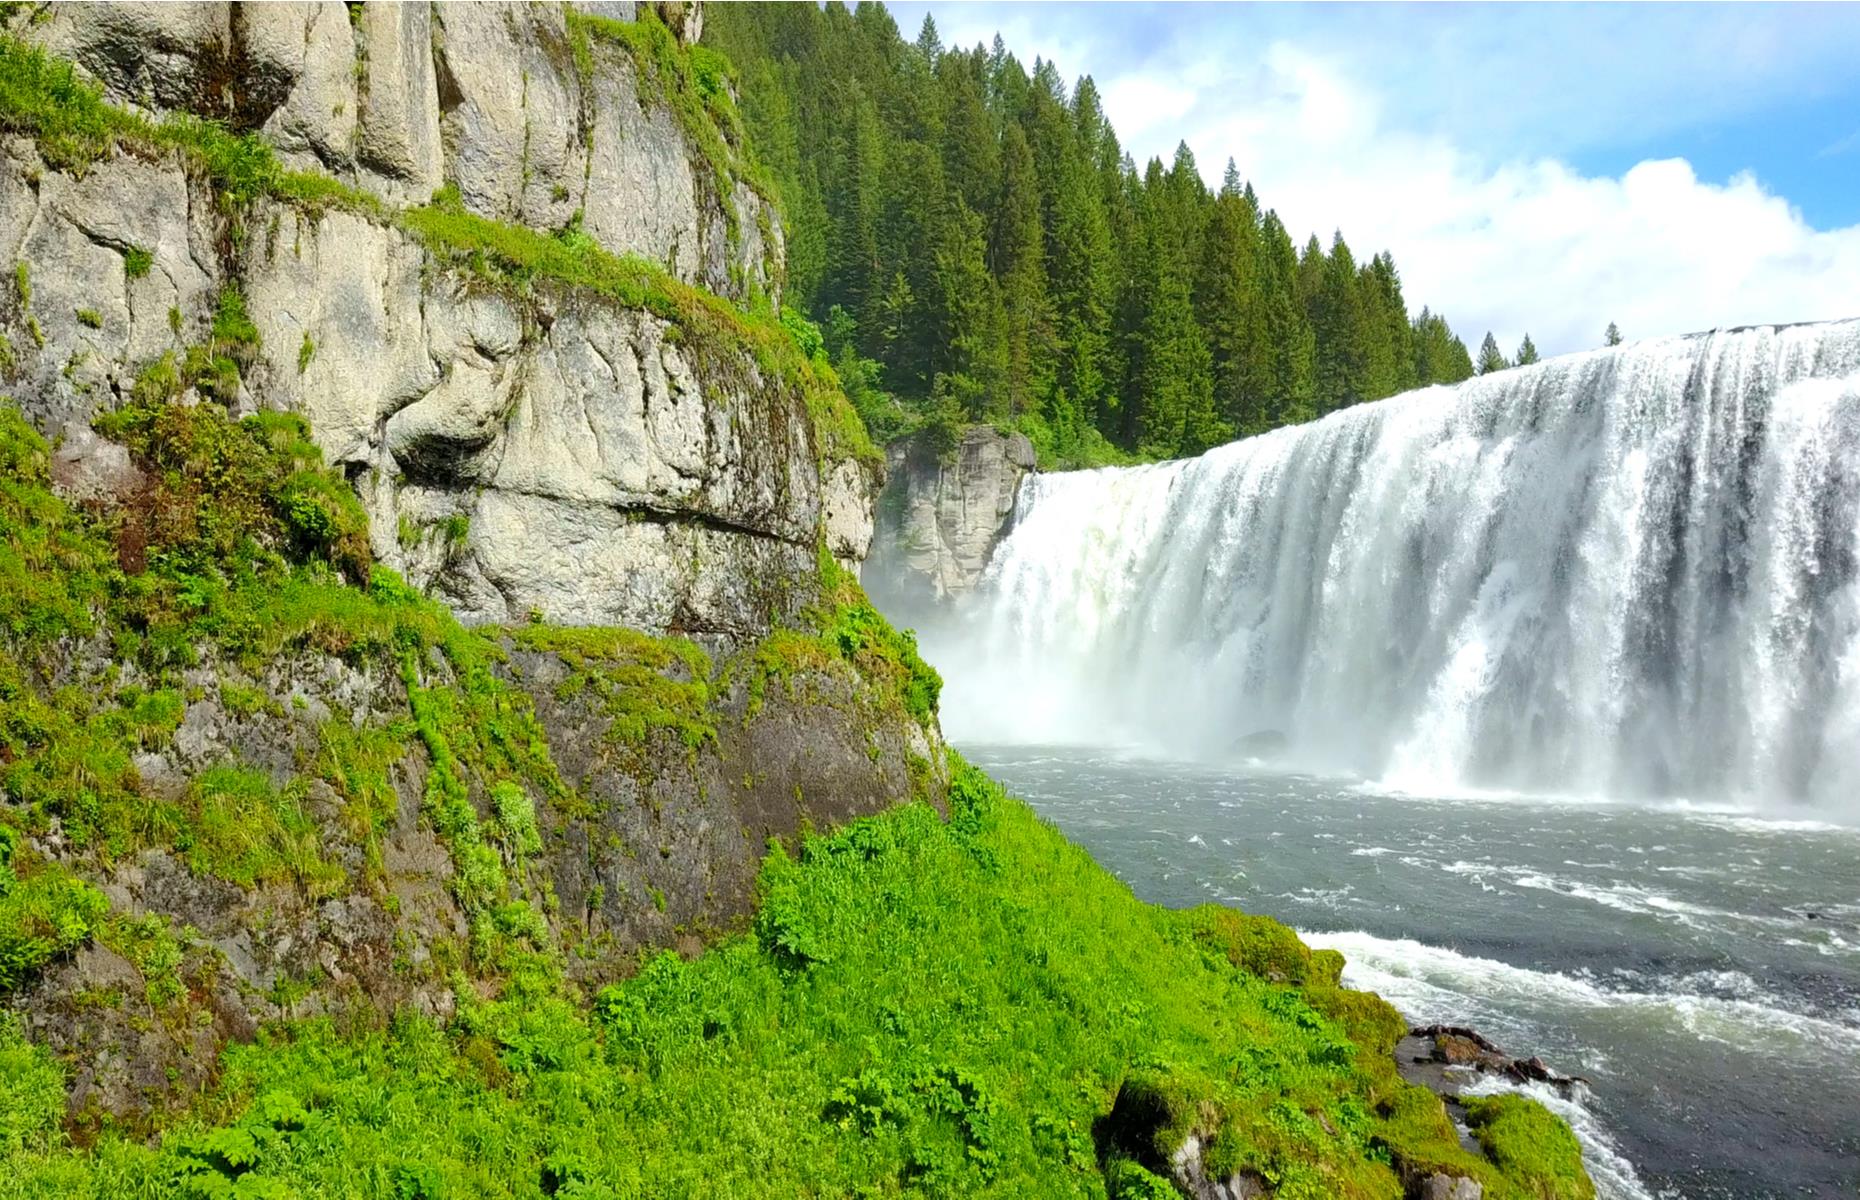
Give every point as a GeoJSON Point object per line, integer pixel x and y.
{"type": "Point", "coordinates": [977, 246]}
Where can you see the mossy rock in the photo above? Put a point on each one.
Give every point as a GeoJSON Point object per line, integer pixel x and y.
{"type": "Point", "coordinates": [1534, 1150]}
{"type": "Point", "coordinates": [1155, 1112]}
{"type": "Point", "coordinates": [1263, 947]}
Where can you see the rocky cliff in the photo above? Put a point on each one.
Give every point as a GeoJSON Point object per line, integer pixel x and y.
{"type": "Point", "coordinates": [564, 422]}
{"type": "Point", "coordinates": [307, 303]}
{"type": "Point", "coordinates": [943, 510]}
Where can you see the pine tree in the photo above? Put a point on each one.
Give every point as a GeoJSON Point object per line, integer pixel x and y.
{"type": "Point", "coordinates": [1342, 329]}
{"type": "Point", "coordinates": [1439, 357]}
{"type": "Point", "coordinates": [971, 153]}
{"type": "Point", "coordinates": [1231, 304]}
{"type": "Point", "coordinates": [1613, 335]}
{"type": "Point", "coordinates": [929, 43]}
{"type": "Point", "coordinates": [969, 356]}
{"type": "Point", "coordinates": [1293, 347]}
{"type": "Point", "coordinates": [1017, 259]}
{"type": "Point", "coordinates": [1083, 289]}
{"type": "Point", "coordinates": [1491, 358]}
{"type": "Point", "coordinates": [1527, 351]}
{"type": "Point", "coordinates": [1395, 335]}
{"type": "Point", "coordinates": [1459, 361]}
{"type": "Point", "coordinates": [1174, 381]}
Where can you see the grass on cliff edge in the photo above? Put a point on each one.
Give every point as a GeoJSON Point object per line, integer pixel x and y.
{"type": "Point", "coordinates": [925, 1008]}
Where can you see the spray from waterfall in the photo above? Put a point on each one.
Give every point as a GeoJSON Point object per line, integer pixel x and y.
{"type": "Point", "coordinates": [1632, 572]}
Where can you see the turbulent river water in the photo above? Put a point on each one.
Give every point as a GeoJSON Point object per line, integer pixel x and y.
{"type": "Point", "coordinates": [1557, 673]}
{"type": "Point", "coordinates": [1702, 969]}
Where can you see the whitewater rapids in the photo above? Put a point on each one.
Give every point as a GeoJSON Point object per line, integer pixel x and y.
{"type": "Point", "coordinates": [1630, 572]}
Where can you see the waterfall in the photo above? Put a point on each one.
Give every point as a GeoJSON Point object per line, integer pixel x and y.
{"type": "Point", "coordinates": [1629, 572]}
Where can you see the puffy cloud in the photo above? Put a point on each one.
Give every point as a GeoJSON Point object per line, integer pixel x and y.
{"type": "Point", "coordinates": [1523, 244]}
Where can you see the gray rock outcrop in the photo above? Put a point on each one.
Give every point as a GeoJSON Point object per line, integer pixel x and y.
{"type": "Point", "coordinates": [404, 99]}
{"type": "Point", "coordinates": [538, 450]}
{"type": "Point", "coordinates": [665, 840]}
{"type": "Point", "coordinates": [941, 515]}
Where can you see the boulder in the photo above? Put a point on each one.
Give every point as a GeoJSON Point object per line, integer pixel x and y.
{"type": "Point", "coordinates": [941, 515]}
{"type": "Point", "coordinates": [88, 469]}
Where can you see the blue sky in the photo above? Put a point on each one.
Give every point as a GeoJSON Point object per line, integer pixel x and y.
{"type": "Point", "coordinates": [1533, 167]}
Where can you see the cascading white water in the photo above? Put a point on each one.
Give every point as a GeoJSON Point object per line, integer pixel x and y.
{"type": "Point", "coordinates": [1634, 571]}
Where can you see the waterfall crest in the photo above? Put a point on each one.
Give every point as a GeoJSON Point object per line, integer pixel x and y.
{"type": "Point", "coordinates": [1629, 572]}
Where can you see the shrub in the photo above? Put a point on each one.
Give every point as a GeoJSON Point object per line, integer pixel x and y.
{"type": "Point", "coordinates": [32, 1093]}
{"type": "Point", "coordinates": [45, 911]}
{"type": "Point", "coordinates": [516, 819]}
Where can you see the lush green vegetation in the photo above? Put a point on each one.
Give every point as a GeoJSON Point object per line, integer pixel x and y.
{"type": "Point", "coordinates": [978, 247]}
{"type": "Point", "coordinates": [925, 1007]}
{"type": "Point", "coordinates": [44, 912]}
{"type": "Point", "coordinates": [242, 550]}
{"type": "Point", "coordinates": [843, 627]}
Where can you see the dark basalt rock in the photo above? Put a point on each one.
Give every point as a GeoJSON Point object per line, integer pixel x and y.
{"type": "Point", "coordinates": [1430, 1054]}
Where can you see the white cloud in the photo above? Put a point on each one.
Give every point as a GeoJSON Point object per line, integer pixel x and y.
{"type": "Point", "coordinates": [1442, 133]}
{"type": "Point", "coordinates": [1528, 244]}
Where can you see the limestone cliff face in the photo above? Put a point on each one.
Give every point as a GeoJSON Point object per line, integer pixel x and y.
{"type": "Point", "coordinates": [631, 450]}
{"type": "Point", "coordinates": [546, 451]}
{"type": "Point", "coordinates": [404, 99]}
{"type": "Point", "coordinates": [941, 516]}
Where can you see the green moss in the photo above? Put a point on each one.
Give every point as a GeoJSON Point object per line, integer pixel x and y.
{"type": "Point", "coordinates": [241, 827]}
{"type": "Point", "coordinates": [1370, 1020]}
{"type": "Point", "coordinates": [239, 552]}
{"type": "Point", "coordinates": [1126, 1179]}
{"type": "Point", "coordinates": [844, 627]}
{"type": "Point", "coordinates": [231, 324]}
{"type": "Point", "coordinates": [90, 318]}
{"type": "Point", "coordinates": [1156, 1111]}
{"type": "Point", "coordinates": [1259, 945]}
{"type": "Point", "coordinates": [357, 761]}
{"type": "Point", "coordinates": [480, 734]}
{"type": "Point", "coordinates": [137, 261]}
{"type": "Point", "coordinates": [516, 819]}
{"type": "Point", "coordinates": [230, 491]}
{"type": "Point", "coordinates": [1535, 1151]}
{"type": "Point", "coordinates": [75, 127]}
{"type": "Point", "coordinates": [306, 351]}
{"type": "Point", "coordinates": [644, 684]}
